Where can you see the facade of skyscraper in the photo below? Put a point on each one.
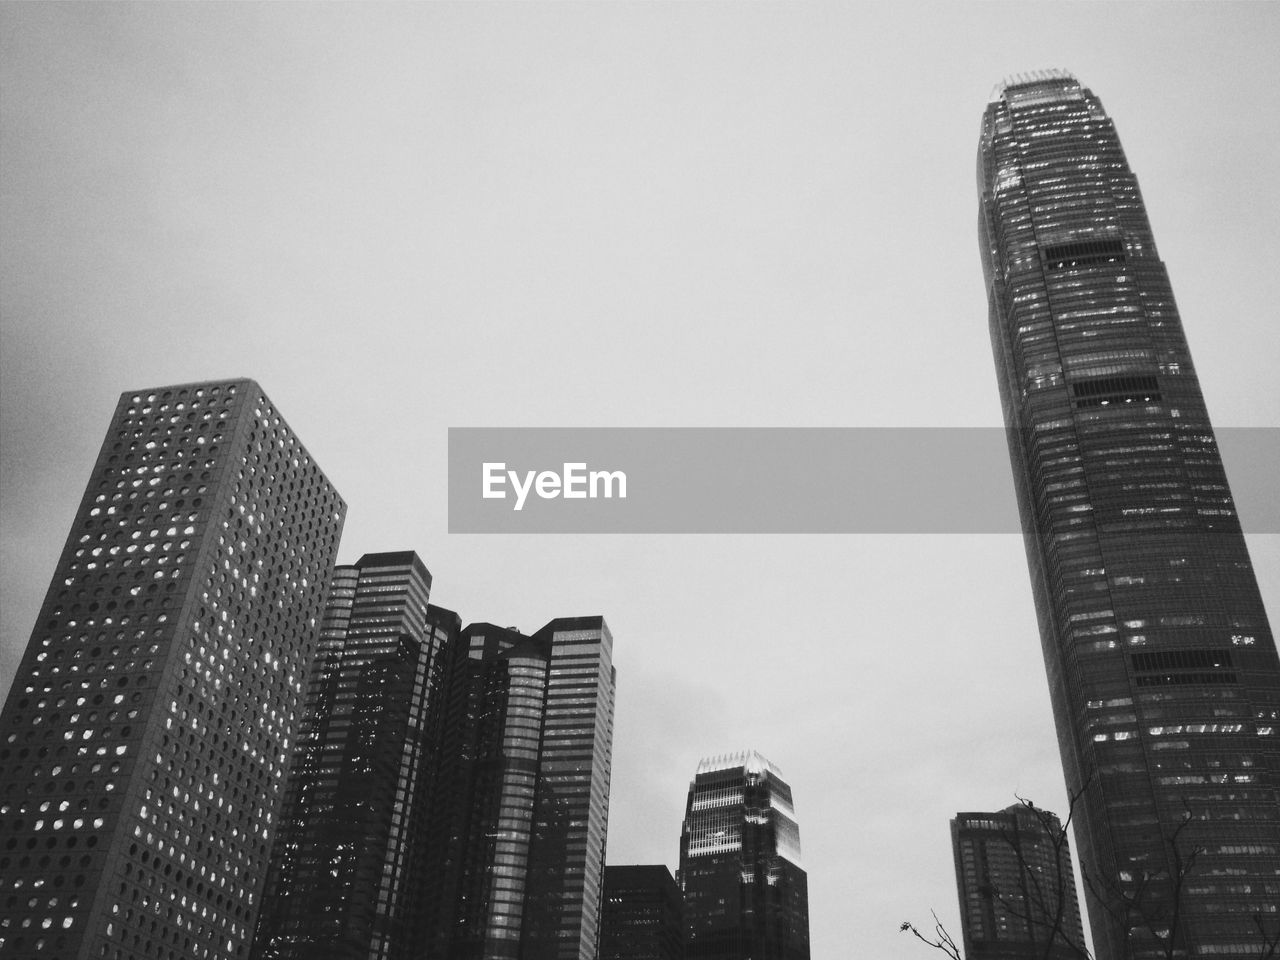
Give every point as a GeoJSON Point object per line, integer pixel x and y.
{"type": "Point", "coordinates": [520, 811]}
{"type": "Point", "coordinates": [1162, 668]}
{"type": "Point", "coordinates": [1017, 886]}
{"type": "Point", "coordinates": [643, 914]}
{"type": "Point", "coordinates": [351, 834]}
{"type": "Point", "coordinates": [147, 733]}
{"type": "Point", "coordinates": [745, 892]}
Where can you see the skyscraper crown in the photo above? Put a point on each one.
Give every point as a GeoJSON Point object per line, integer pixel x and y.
{"type": "Point", "coordinates": [1052, 80]}
{"type": "Point", "coordinates": [749, 760]}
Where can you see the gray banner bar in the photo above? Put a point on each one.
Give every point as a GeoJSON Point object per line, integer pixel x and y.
{"type": "Point", "coordinates": [772, 480]}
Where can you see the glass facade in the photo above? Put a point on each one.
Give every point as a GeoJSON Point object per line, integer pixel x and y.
{"type": "Point", "coordinates": [520, 811]}
{"type": "Point", "coordinates": [1017, 886]}
{"type": "Point", "coordinates": [1162, 667]}
{"type": "Point", "coordinates": [571, 810]}
{"type": "Point", "coordinates": [147, 733]}
{"type": "Point", "coordinates": [343, 861]}
{"type": "Point", "coordinates": [745, 891]}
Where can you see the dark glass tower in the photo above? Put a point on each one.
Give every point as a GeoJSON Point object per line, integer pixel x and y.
{"type": "Point", "coordinates": [519, 816]}
{"type": "Point", "coordinates": [745, 892]}
{"type": "Point", "coordinates": [351, 832]}
{"type": "Point", "coordinates": [1162, 667]}
{"type": "Point", "coordinates": [1017, 886]}
{"type": "Point", "coordinates": [144, 744]}
{"type": "Point", "coordinates": [643, 914]}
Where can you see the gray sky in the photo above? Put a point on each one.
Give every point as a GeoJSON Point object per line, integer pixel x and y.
{"type": "Point", "coordinates": [409, 217]}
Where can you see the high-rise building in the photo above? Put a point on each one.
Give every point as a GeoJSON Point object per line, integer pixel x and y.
{"type": "Point", "coordinates": [147, 733]}
{"type": "Point", "coordinates": [745, 891]}
{"type": "Point", "coordinates": [1162, 668]}
{"type": "Point", "coordinates": [341, 883]}
{"type": "Point", "coordinates": [1017, 886]}
{"type": "Point", "coordinates": [521, 806]}
{"type": "Point", "coordinates": [643, 914]}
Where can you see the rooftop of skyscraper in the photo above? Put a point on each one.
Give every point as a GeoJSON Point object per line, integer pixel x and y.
{"type": "Point", "coordinates": [748, 760]}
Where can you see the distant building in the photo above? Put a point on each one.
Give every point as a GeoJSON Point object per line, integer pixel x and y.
{"type": "Point", "coordinates": [350, 841]}
{"type": "Point", "coordinates": [147, 733]}
{"type": "Point", "coordinates": [1162, 666]}
{"type": "Point", "coordinates": [643, 914]}
{"type": "Point", "coordinates": [1017, 886]}
{"type": "Point", "coordinates": [745, 892]}
{"type": "Point", "coordinates": [521, 806]}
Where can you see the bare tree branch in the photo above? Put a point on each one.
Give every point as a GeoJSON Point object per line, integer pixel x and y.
{"type": "Point", "coordinates": [943, 939]}
{"type": "Point", "coordinates": [1270, 943]}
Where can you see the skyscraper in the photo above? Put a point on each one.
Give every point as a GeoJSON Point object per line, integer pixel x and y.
{"type": "Point", "coordinates": [1162, 668]}
{"type": "Point", "coordinates": [147, 733]}
{"type": "Point", "coordinates": [1017, 886]}
{"type": "Point", "coordinates": [745, 893]}
{"type": "Point", "coordinates": [351, 832]}
{"type": "Point", "coordinates": [643, 914]}
{"type": "Point", "coordinates": [520, 812]}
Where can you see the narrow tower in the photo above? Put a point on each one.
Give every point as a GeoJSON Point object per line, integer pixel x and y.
{"type": "Point", "coordinates": [146, 738]}
{"type": "Point", "coordinates": [1162, 668]}
{"type": "Point", "coordinates": [351, 831]}
{"type": "Point", "coordinates": [519, 817]}
{"type": "Point", "coordinates": [745, 892]}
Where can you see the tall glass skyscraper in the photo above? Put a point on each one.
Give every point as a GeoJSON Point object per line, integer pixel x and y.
{"type": "Point", "coordinates": [1162, 668]}
{"type": "Point", "coordinates": [145, 741]}
{"type": "Point", "coordinates": [351, 835]}
{"type": "Point", "coordinates": [745, 891]}
{"type": "Point", "coordinates": [519, 814]}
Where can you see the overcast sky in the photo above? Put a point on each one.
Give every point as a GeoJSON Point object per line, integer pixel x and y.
{"type": "Point", "coordinates": [404, 218]}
